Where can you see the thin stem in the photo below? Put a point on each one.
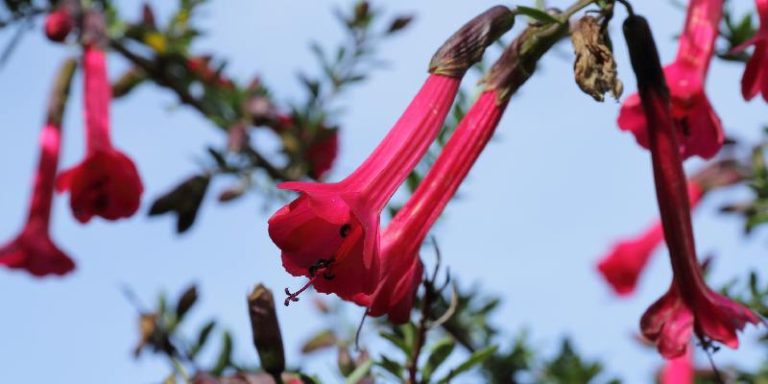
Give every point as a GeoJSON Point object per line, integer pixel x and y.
{"type": "Point", "coordinates": [159, 75]}
{"type": "Point", "coordinates": [421, 334]}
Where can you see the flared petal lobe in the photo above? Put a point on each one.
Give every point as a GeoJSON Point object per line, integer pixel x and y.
{"type": "Point", "coordinates": [34, 251]}
{"type": "Point", "coordinates": [105, 184]}
{"type": "Point", "coordinates": [699, 127]}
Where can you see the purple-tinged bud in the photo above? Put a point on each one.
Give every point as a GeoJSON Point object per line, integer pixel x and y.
{"type": "Point", "coordinates": [467, 45]}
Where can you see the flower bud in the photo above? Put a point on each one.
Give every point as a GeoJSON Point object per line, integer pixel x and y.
{"type": "Point", "coordinates": [58, 25]}
{"type": "Point", "coordinates": [644, 55]}
{"type": "Point", "coordinates": [467, 45]}
{"type": "Point", "coordinates": [266, 330]}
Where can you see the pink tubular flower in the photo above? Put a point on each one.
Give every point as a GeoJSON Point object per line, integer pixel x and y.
{"type": "Point", "coordinates": [106, 183]}
{"type": "Point", "coordinates": [622, 266]}
{"type": "Point", "coordinates": [755, 78]}
{"type": "Point", "coordinates": [33, 250]}
{"type": "Point", "coordinates": [332, 229]}
{"type": "Point", "coordinates": [679, 370]}
{"type": "Point", "coordinates": [401, 269]}
{"type": "Point", "coordinates": [702, 131]}
{"type": "Point", "coordinates": [690, 305]}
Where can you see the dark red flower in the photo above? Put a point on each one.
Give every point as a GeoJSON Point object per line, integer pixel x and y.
{"type": "Point", "coordinates": [699, 126]}
{"type": "Point", "coordinates": [689, 306]}
{"type": "Point", "coordinates": [322, 153]}
{"type": "Point", "coordinates": [622, 266]}
{"type": "Point", "coordinates": [106, 183]}
{"type": "Point", "coordinates": [58, 25]}
{"type": "Point", "coordinates": [755, 79]}
{"type": "Point", "coordinates": [330, 233]}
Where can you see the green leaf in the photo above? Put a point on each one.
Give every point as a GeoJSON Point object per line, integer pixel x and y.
{"type": "Point", "coordinates": [398, 342]}
{"type": "Point", "coordinates": [391, 366]}
{"type": "Point", "coordinates": [360, 372]}
{"type": "Point", "coordinates": [323, 339]}
{"type": "Point", "coordinates": [185, 302]}
{"type": "Point", "coordinates": [474, 359]}
{"type": "Point", "coordinates": [537, 14]}
{"type": "Point", "coordinates": [202, 338]}
{"type": "Point", "coordinates": [439, 353]}
{"type": "Point", "coordinates": [225, 356]}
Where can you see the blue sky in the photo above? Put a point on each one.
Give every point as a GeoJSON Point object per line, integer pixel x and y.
{"type": "Point", "coordinates": [557, 185]}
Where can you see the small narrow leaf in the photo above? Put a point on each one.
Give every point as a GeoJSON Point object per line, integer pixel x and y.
{"type": "Point", "coordinates": [474, 359]}
{"type": "Point", "coordinates": [440, 352]}
{"type": "Point", "coordinates": [202, 338]}
{"type": "Point", "coordinates": [225, 356]}
{"type": "Point", "coordinates": [360, 372]}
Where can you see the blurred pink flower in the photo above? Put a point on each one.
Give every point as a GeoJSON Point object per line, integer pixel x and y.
{"type": "Point", "coordinates": [106, 183]}
{"type": "Point", "coordinates": [33, 250]}
{"type": "Point", "coordinates": [699, 127]}
{"type": "Point", "coordinates": [622, 266]}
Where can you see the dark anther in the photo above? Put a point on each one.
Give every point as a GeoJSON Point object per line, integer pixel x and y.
{"type": "Point", "coordinates": [344, 231]}
{"type": "Point", "coordinates": [328, 275]}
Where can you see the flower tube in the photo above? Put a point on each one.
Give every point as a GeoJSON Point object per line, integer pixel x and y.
{"type": "Point", "coordinates": [699, 127]}
{"type": "Point", "coordinates": [33, 250]}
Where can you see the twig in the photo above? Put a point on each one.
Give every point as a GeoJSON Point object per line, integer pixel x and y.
{"type": "Point", "coordinates": [160, 76]}
{"type": "Point", "coordinates": [421, 334]}
{"type": "Point", "coordinates": [32, 12]}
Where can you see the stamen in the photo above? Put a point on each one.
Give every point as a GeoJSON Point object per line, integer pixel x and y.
{"type": "Point", "coordinates": [322, 265]}
{"type": "Point", "coordinates": [294, 297]}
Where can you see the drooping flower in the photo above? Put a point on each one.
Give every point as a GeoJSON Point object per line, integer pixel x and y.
{"type": "Point", "coordinates": [33, 250]}
{"type": "Point", "coordinates": [755, 79]}
{"type": "Point", "coordinates": [699, 127]}
{"type": "Point", "coordinates": [622, 266]}
{"type": "Point", "coordinates": [332, 229]}
{"type": "Point", "coordinates": [401, 267]}
{"type": "Point", "coordinates": [679, 370]}
{"type": "Point", "coordinates": [106, 183]}
{"type": "Point", "coordinates": [689, 306]}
